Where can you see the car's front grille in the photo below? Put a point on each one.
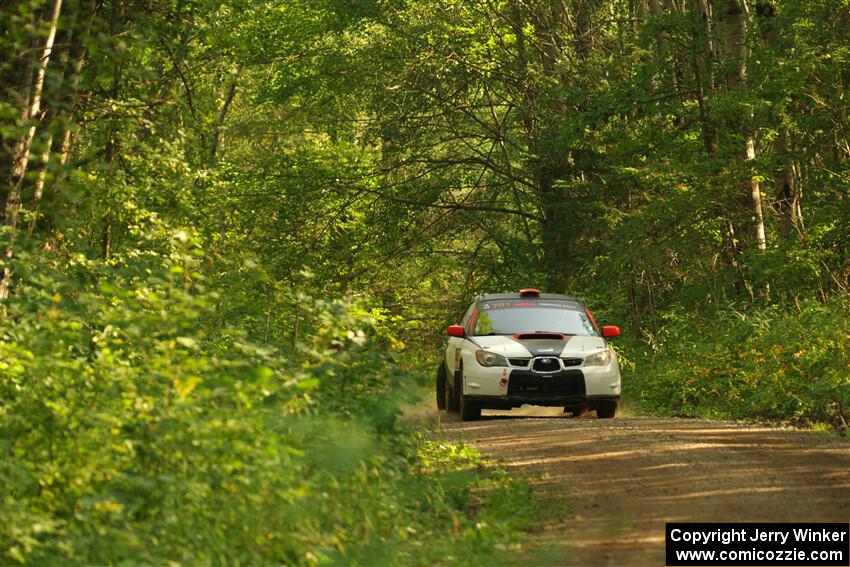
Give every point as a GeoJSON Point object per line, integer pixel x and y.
{"type": "Point", "coordinates": [571, 361]}
{"type": "Point", "coordinates": [568, 383]}
{"type": "Point", "coordinates": [546, 364]}
{"type": "Point", "coordinates": [519, 362]}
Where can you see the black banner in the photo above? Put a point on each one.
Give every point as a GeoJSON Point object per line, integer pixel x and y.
{"type": "Point", "coordinates": [762, 545]}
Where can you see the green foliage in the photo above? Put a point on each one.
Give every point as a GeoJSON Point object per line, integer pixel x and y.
{"type": "Point", "coordinates": [255, 219]}
{"type": "Point", "coordinates": [133, 432]}
{"type": "Point", "coordinates": [765, 364]}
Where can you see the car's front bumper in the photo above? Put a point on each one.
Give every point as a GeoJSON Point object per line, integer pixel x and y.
{"type": "Point", "coordinates": [500, 387]}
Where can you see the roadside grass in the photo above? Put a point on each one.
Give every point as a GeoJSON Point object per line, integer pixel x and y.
{"type": "Point", "coordinates": [499, 516]}
{"type": "Point", "coordinates": [492, 514]}
{"type": "Point", "coordinates": [491, 511]}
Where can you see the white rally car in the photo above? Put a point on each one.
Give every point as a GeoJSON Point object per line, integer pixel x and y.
{"type": "Point", "coordinates": [529, 347]}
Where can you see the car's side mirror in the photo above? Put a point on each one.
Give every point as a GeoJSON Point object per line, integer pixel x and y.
{"type": "Point", "coordinates": [456, 331]}
{"type": "Point", "coordinates": [609, 331]}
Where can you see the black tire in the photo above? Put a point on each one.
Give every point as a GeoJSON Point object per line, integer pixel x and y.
{"type": "Point", "coordinates": [606, 410]}
{"type": "Point", "coordinates": [469, 410]}
{"type": "Point", "coordinates": [442, 395]}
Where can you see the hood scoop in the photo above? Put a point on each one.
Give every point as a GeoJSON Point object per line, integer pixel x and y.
{"type": "Point", "coordinates": [540, 336]}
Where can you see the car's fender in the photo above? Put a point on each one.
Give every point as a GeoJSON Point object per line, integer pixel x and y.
{"type": "Point", "coordinates": [454, 348]}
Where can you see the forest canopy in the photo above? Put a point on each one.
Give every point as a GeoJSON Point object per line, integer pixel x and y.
{"type": "Point", "coordinates": [218, 214]}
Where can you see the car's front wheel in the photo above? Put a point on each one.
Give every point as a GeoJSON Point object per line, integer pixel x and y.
{"type": "Point", "coordinates": [606, 410]}
{"type": "Point", "coordinates": [469, 410]}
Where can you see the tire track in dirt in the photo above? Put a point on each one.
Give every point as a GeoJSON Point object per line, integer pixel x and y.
{"type": "Point", "coordinates": [609, 486]}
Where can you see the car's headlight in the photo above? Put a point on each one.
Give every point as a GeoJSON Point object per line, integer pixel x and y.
{"type": "Point", "coordinates": [601, 358]}
{"type": "Point", "coordinates": [486, 358]}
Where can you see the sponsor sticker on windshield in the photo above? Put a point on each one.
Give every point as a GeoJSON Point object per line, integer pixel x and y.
{"type": "Point", "coordinates": [524, 303]}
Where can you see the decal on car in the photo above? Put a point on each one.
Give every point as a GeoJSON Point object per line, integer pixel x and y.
{"type": "Point", "coordinates": [524, 303]}
{"type": "Point", "coordinates": [537, 347]}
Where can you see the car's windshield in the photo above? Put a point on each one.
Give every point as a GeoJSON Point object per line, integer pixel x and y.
{"type": "Point", "coordinates": [509, 317]}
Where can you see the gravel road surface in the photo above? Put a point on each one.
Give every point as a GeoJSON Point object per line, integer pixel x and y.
{"type": "Point", "coordinates": [610, 485]}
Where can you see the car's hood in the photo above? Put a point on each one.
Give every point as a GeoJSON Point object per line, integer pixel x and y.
{"type": "Point", "coordinates": [526, 346]}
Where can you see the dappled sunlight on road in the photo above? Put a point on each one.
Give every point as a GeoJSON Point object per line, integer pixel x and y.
{"type": "Point", "coordinates": [612, 484]}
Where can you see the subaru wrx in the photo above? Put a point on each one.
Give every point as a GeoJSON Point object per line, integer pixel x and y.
{"type": "Point", "coordinates": [511, 349]}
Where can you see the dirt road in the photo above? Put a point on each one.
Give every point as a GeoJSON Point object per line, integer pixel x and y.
{"type": "Point", "coordinates": [610, 485]}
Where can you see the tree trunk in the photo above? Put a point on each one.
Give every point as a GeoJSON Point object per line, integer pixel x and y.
{"type": "Point", "coordinates": [106, 237]}
{"type": "Point", "coordinates": [550, 163]}
{"type": "Point", "coordinates": [39, 184]}
{"type": "Point", "coordinates": [755, 192]}
{"type": "Point", "coordinates": [582, 38]}
{"type": "Point", "coordinates": [640, 11]}
{"type": "Point", "coordinates": [680, 62]}
{"type": "Point", "coordinates": [700, 54]}
{"type": "Point", "coordinates": [787, 193]}
{"type": "Point", "coordinates": [20, 158]}
{"type": "Point", "coordinates": [71, 62]}
{"type": "Point", "coordinates": [786, 200]}
{"type": "Point", "coordinates": [735, 18]}
{"type": "Point", "coordinates": [222, 115]}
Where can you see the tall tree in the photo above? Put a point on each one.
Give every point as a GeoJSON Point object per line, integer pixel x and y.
{"type": "Point", "coordinates": [21, 153]}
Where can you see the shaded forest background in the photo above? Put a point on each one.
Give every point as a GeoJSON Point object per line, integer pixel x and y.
{"type": "Point", "coordinates": [231, 230]}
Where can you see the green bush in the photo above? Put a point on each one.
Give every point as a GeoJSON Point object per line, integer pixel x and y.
{"type": "Point", "coordinates": [133, 431]}
{"type": "Point", "coordinates": [766, 364]}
